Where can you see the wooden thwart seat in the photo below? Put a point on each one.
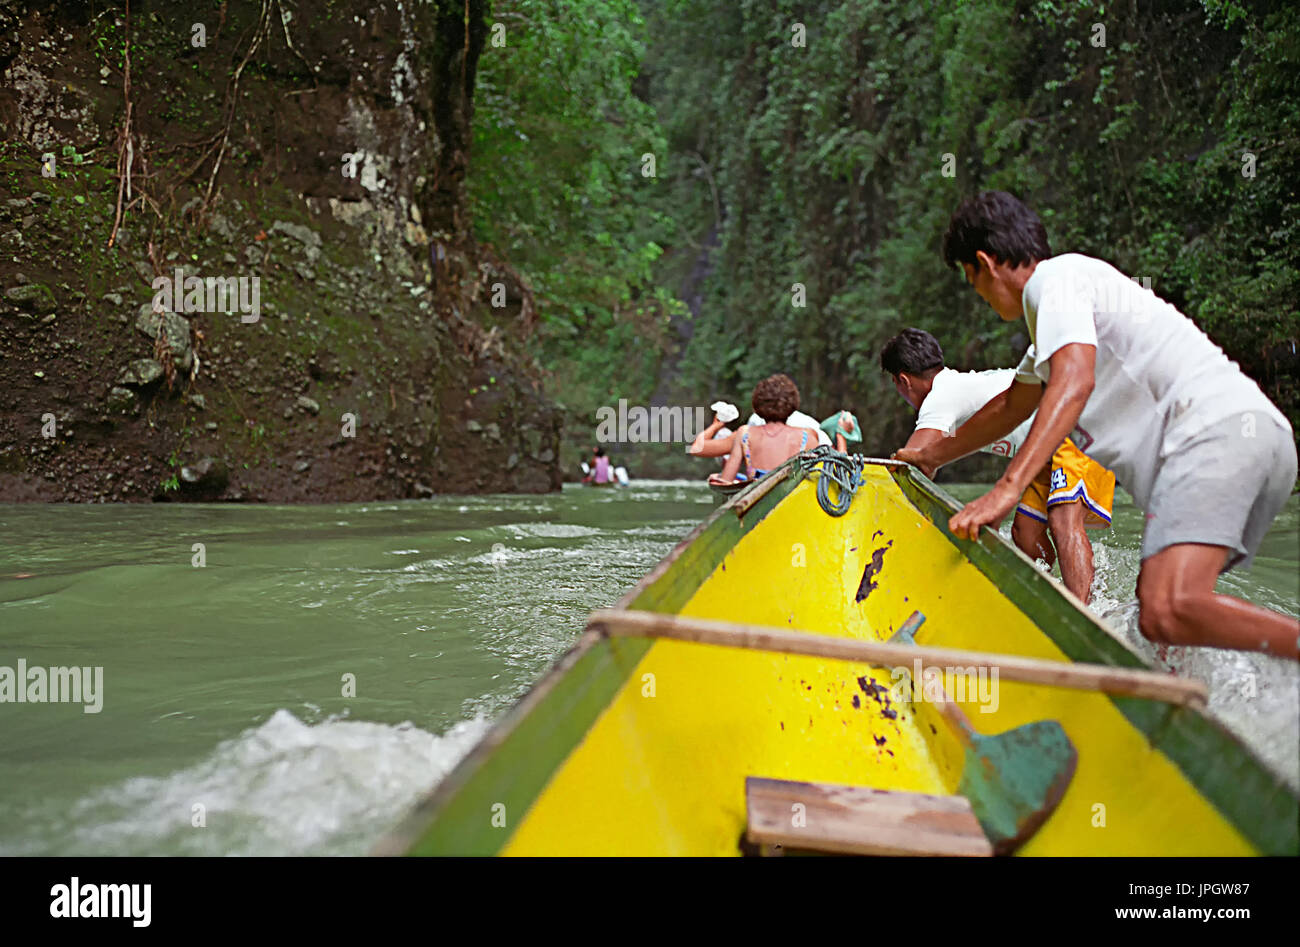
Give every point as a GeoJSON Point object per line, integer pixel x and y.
{"type": "Point", "coordinates": [857, 820]}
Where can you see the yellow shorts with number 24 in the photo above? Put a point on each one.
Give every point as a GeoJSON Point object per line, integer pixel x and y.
{"type": "Point", "coordinates": [1075, 478]}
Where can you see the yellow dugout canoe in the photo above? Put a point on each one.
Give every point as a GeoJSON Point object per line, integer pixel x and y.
{"type": "Point", "coordinates": [637, 745]}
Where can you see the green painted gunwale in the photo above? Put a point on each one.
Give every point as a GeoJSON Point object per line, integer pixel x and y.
{"type": "Point", "coordinates": [515, 760]}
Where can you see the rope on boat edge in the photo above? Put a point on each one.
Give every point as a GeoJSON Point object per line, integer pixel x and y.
{"type": "Point", "coordinates": [843, 470]}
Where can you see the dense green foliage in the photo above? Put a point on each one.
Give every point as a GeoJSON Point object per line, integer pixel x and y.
{"type": "Point", "coordinates": [823, 165]}
{"type": "Point", "coordinates": [556, 186]}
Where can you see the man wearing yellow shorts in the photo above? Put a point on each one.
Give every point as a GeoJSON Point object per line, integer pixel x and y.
{"type": "Point", "coordinates": [1070, 495]}
{"type": "Point", "coordinates": [1072, 477]}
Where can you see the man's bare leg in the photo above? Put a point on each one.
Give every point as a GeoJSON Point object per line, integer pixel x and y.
{"type": "Point", "coordinates": [1065, 520]}
{"type": "Point", "coordinates": [1178, 605]}
{"type": "Point", "coordinates": [1030, 537]}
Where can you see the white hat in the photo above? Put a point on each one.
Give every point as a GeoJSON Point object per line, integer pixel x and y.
{"type": "Point", "coordinates": [724, 412]}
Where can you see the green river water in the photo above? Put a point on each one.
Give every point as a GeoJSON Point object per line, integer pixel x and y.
{"type": "Point", "coordinates": [223, 690]}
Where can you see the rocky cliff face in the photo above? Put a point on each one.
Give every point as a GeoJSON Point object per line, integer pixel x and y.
{"type": "Point", "coordinates": [236, 263]}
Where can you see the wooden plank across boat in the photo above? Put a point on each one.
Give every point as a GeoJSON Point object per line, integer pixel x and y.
{"type": "Point", "coordinates": [780, 662]}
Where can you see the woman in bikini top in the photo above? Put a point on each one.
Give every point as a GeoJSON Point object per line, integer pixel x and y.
{"type": "Point", "coordinates": [753, 472]}
{"type": "Point", "coordinates": [772, 444]}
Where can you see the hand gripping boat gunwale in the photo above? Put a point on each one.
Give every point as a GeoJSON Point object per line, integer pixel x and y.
{"type": "Point", "coordinates": [646, 745]}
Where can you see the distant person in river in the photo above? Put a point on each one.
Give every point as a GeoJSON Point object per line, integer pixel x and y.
{"type": "Point", "coordinates": [769, 444]}
{"type": "Point", "coordinates": [600, 475]}
{"type": "Point", "coordinates": [1141, 389]}
{"type": "Point", "coordinates": [1068, 496]}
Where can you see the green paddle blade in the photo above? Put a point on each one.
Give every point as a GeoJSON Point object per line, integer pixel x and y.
{"type": "Point", "coordinates": [1015, 780]}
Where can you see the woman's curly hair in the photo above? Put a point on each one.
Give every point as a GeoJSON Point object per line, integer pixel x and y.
{"type": "Point", "coordinates": [775, 398]}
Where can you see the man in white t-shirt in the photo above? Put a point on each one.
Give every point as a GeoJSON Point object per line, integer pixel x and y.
{"type": "Point", "coordinates": [1071, 494]}
{"type": "Point", "coordinates": [1145, 392]}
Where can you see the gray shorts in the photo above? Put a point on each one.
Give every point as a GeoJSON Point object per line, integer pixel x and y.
{"type": "Point", "coordinates": [1224, 488]}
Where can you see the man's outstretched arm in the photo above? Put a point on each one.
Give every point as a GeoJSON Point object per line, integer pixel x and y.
{"type": "Point", "coordinates": [999, 417]}
{"type": "Point", "coordinates": [1072, 381]}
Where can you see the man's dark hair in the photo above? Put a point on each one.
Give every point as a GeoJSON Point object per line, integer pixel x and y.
{"type": "Point", "coordinates": [1000, 225]}
{"type": "Point", "coordinates": [775, 398]}
{"type": "Point", "coordinates": [914, 351]}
